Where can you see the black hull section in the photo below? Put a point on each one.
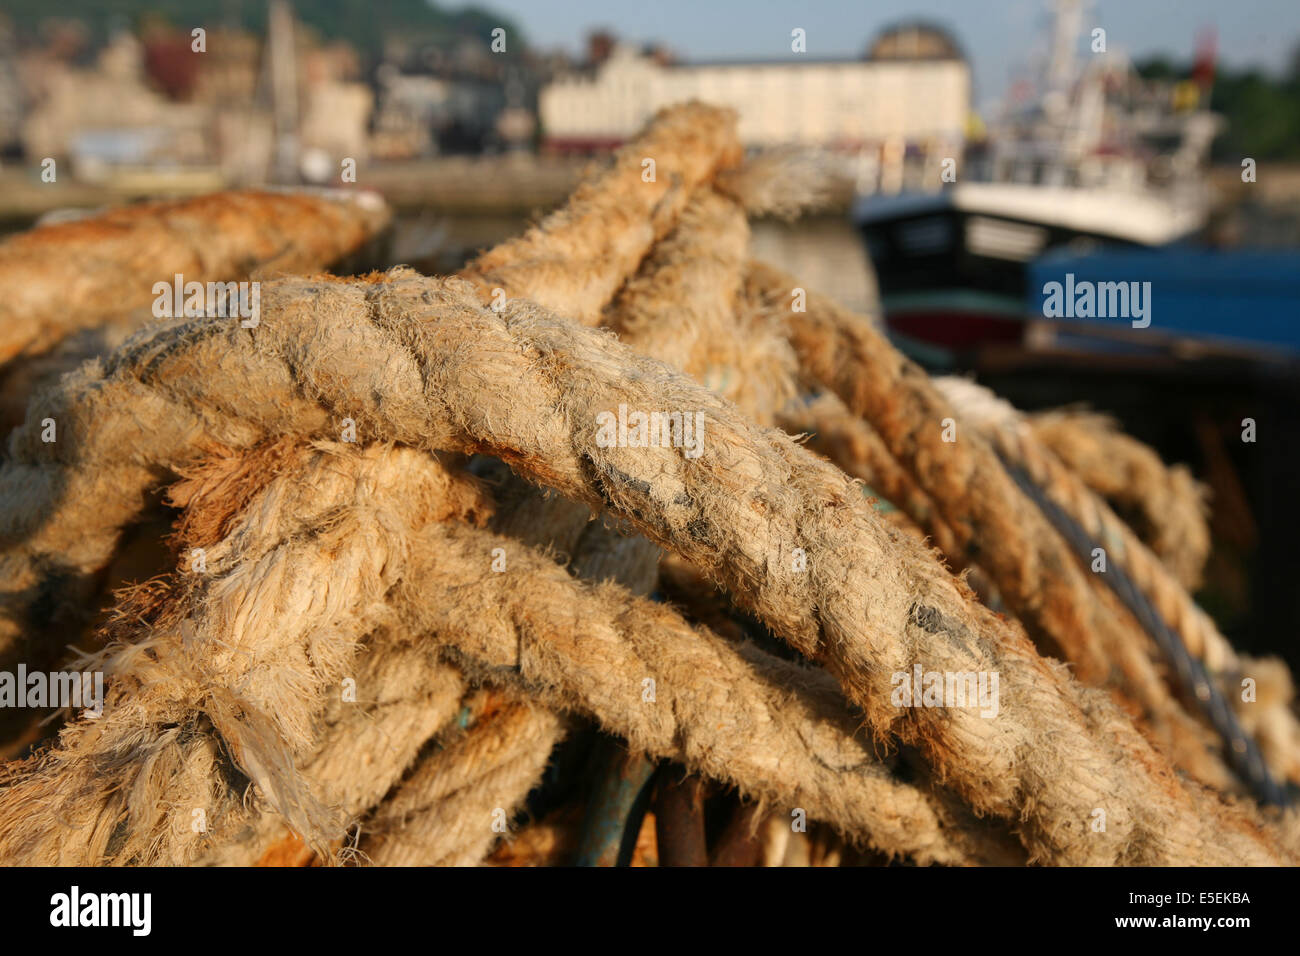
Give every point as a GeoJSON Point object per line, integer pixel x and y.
{"type": "Point", "coordinates": [953, 249]}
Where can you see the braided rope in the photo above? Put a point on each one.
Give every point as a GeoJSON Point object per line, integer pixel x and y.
{"type": "Point", "coordinates": [1242, 751]}
{"type": "Point", "coordinates": [418, 361]}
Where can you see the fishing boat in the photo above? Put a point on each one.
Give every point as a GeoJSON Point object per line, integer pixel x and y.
{"type": "Point", "coordinates": [1099, 159]}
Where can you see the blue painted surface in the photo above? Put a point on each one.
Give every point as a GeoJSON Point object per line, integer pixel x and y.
{"type": "Point", "coordinates": [611, 811]}
{"type": "Point", "coordinates": [1246, 297]}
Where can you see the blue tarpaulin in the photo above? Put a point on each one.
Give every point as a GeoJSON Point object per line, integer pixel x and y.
{"type": "Point", "coordinates": [1232, 297]}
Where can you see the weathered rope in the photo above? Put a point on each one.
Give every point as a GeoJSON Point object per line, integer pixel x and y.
{"type": "Point", "coordinates": [1163, 504]}
{"type": "Point", "coordinates": [1204, 661]}
{"type": "Point", "coordinates": [575, 259]}
{"type": "Point", "coordinates": [280, 513]}
{"type": "Point", "coordinates": [683, 306]}
{"type": "Point", "coordinates": [249, 645]}
{"type": "Point", "coordinates": [459, 799]}
{"type": "Point", "coordinates": [778, 731]}
{"type": "Point", "coordinates": [405, 695]}
{"type": "Point", "coordinates": [1242, 751]}
{"type": "Point", "coordinates": [686, 307]}
{"type": "Point", "coordinates": [72, 292]}
{"type": "Point", "coordinates": [60, 278]}
{"type": "Point", "coordinates": [602, 554]}
{"type": "Point", "coordinates": [416, 361]}
{"type": "Point", "coordinates": [996, 527]}
{"type": "Point", "coordinates": [680, 306]}
{"type": "Point", "coordinates": [856, 447]}
{"type": "Point", "coordinates": [843, 353]}
{"type": "Point", "coordinates": [21, 378]}
{"type": "Point", "coordinates": [104, 549]}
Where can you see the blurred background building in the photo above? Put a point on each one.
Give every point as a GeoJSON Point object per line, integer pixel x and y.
{"type": "Point", "coordinates": [912, 87]}
{"type": "Point", "coordinates": [119, 95]}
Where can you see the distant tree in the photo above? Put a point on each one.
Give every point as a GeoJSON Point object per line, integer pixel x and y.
{"type": "Point", "coordinates": [1161, 68]}
{"type": "Point", "coordinates": [364, 23]}
{"type": "Point", "coordinates": [1262, 111]}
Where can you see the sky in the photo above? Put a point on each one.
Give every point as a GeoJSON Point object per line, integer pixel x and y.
{"type": "Point", "coordinates": [1001, 37]}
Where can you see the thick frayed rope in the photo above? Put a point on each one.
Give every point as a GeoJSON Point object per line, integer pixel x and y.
{"type": "Point", "coordinates": [76, 275]}
{"type": "Point", "coordinates": [418, 361]}
{"type": "Point", "coordinates": [247, 640]}
{"type": "Point", "coordinates": [1014, 437]}
{"type": "Point", "coordinates": [995, 525]}
{"type": "Point", "coordinates": [1163, 504]}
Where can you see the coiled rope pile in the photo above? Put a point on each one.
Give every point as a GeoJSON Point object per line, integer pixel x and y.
{"type": "Point", "coordinates": [403, 570]}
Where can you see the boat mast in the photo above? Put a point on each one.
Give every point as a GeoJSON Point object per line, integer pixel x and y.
{"type": "Point", "coordinates": [1065, 38]}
